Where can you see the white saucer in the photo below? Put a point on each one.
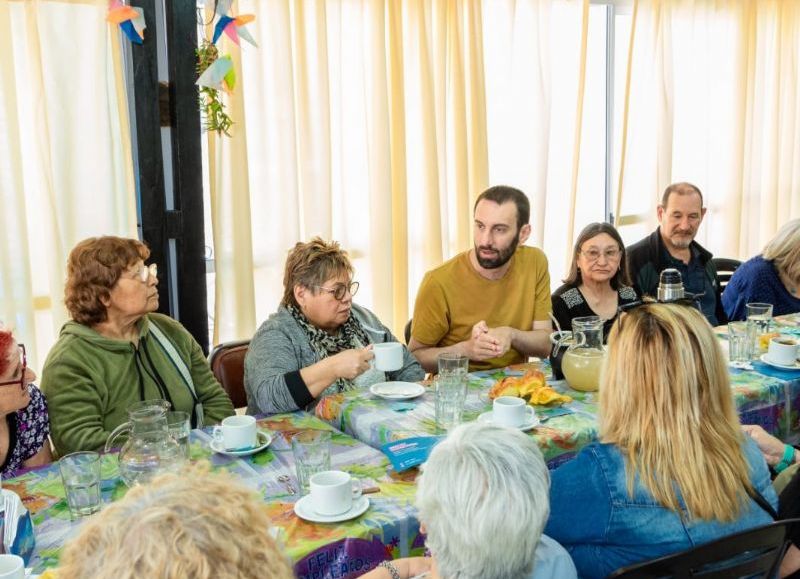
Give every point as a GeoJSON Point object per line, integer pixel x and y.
{"type": "Point", "coordinates": [765, 358]}
{"type": "Point", "coordinates": [264, 440]}
{"type": "Point", "coordinates": [397, 390]}
{"type": "Point", "coordinates": [532, 423]}
{"type": "Point", "coordinates": [304, 509]}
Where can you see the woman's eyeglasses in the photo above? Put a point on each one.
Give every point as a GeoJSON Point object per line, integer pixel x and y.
{"type": "Point", "coordinates": [340, 289]}
{"type": "Point", "coordinates": [609, 254]}
{"type": "Point", "coordinates": [144, 272]}
{"type": "Point", "coordinates": [23, 365]}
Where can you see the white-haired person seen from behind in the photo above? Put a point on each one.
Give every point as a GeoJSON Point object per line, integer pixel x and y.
{"type": "Point", "coordinates": [483, 501]}
{"type": "Point", "coordinates": [191, 524]}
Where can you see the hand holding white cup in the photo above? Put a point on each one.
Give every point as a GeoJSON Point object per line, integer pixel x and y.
{"type": "Point", "coordinates": [333, 492]}
{"type": "Point", "coordinates": [783, 351]}
{"type": "Point", "coordinates": [236, 433]}
{"type": "Point", "coordinates": [511, 411]}
{"type": "Point", "coordinates": [388, 356]}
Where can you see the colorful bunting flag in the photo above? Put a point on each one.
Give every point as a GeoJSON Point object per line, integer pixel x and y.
{"type": "Point", "coordinates": [234, 28]}
{"type": "Point", "coordinates": [130, 20]}
{"type": "Point", "coordinates": [220, 74]}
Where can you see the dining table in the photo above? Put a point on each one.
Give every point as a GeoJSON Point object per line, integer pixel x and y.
{"type": "Point", "coordinates": [763, 395]}
{"type": "Point", "coordinates": [388, 529]}
{"type": "Point", "coordinates": [360, 424]}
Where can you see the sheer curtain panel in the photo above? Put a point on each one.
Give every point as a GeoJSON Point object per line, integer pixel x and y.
{"type": "Point", "coordinates": [65, 160]}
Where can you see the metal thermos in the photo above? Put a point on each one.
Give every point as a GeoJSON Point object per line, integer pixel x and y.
{"type": "Point", "coordinates": [670, 286]}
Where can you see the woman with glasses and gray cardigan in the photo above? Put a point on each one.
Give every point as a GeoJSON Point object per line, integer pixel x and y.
{"type": "Point", "coordinates": [318, 342]}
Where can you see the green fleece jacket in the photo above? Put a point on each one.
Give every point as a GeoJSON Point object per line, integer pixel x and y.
{"type": "Point", "coordinates": [90, 381]}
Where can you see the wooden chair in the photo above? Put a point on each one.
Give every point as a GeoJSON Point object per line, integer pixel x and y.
{"type": "Point", "coordinates": [407, 332]}
{"type": "Point", "coordinates": [753, 553]}
{"type": "Point", "coordinates": [227, 364]}
{"type": "Point", "coordinates": [725, 268]}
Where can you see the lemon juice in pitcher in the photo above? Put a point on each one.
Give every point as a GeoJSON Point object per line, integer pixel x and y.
{"type": "Point", "coordinates": [584, 359]}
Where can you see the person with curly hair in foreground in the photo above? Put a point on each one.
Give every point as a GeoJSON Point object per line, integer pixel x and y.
{"type": "Point", "coordinates": [191, 524]}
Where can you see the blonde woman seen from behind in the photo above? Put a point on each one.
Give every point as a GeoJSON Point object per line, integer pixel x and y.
{"type": "Point", "coordinates": [672, 469]}
{"type": "Point", "coordinates": [193, 524]}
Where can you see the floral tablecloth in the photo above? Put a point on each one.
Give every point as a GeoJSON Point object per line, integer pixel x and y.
{"type": "Point", "coordinates": [389, 529]}
{"type": "Point", "coordinates": [767, 395]}
{"type": "Point", "coordinates": [376, 421]}
{"type": "Point", "coordinates": [763, 395]}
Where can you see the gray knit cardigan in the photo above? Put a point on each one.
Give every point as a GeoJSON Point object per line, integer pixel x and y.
{"type": "Point", "coordinates": [280, 349]}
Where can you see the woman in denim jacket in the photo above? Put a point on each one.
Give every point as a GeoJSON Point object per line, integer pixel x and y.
{"type": "Point", "coordinates": [673, 468]}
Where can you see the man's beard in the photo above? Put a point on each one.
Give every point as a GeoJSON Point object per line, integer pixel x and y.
{"type": "Point", "coordinates": [502, 258]}
{"type": "Point", "coordinates": [683, 241]}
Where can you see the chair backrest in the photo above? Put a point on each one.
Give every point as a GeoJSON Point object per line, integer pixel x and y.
{"type": "Point", "coordinates": [227, 364]}
{"type": "Point", "coordinates": [753, 553]}
{"type": "Point", "coordinates": [725, 268]}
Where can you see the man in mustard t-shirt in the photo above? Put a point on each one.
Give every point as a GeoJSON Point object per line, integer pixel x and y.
{"type": "Point", "coordinates": [491, 303]}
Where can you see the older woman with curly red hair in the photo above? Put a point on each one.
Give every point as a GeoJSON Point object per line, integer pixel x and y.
{"type": "Point", "coordinates": [24, 425]}
{"type": "Point", "coordinates": [117, 351]}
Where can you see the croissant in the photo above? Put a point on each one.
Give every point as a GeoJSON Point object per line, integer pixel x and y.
{"type": "Point", "coordinates": [532, 386]}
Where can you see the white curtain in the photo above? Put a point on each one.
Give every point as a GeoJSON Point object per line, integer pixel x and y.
{"type": "Point", "coordinates": [65, 160]}
{"type": "Point", "coordinates": [714, 98]}
{"type": "Point", "coordinates": [377, 124]}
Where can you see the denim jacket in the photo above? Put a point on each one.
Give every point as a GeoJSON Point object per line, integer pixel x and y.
{"type": "Point", "coordinates": [603, 528]}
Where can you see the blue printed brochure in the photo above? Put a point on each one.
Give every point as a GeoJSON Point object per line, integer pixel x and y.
{"type": "Point", "coordinates": [409, 452]}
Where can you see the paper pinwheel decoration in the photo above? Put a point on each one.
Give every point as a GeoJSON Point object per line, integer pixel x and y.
{"type": "Point", "coordinates": [220, 74]}
{"type": "Point", "coordinates": [130, 20]}
{"type": "Point", "coordinates": [234, 28]}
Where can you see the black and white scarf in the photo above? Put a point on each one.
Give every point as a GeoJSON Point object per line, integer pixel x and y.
{"type": "Point", "coordinates": [351, 335]}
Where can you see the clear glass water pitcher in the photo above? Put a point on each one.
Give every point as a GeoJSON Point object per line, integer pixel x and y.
{"type": "Point", "coordinates": [149, 449]}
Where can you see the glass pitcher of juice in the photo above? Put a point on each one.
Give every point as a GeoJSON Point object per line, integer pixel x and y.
{"type": "Point", "coordinates": [582, 361]}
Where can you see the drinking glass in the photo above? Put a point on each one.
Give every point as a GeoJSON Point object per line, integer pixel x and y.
{"type": "Point", "coordinates": [450, 390]}
{"type": "Point", "coordinates": [180, 425]}
{"type": "Point", "coordinates": [312, 454]}
{"type": "Point", "coordinates": [759, 318]}
{"type": "Point", "coordinates": [80, 473]}
{"type": "Point", "coordinates": [740, 342]}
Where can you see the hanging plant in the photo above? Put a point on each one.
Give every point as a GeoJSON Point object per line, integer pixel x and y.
{"type": "Point", "coordinates": [215, 71]}
{"type": "Point", "coordinates": [211, 106]}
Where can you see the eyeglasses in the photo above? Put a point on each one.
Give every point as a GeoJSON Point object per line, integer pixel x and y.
{"type": "Point", "coordinates": [23, 364]}
{"type": "Point", "coordinates": [625, 308]}
{"type": "Point", "coordinates": [340, 289]}
{"type": "Point", "coordinates": [594, 255]}
{"type": "Point", "coordinates": [144, 272]}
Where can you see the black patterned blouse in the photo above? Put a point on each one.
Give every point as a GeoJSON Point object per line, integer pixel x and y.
{"type": "Point", "coordinates": [569, 303]}
{"type": "Point", "coordinates": [28, 431]}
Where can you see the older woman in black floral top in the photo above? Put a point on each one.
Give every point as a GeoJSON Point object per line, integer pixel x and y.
{"type": "Point", "coordinates": [597, 283]}
{"type": "Point", "coordinates": [24, 430]}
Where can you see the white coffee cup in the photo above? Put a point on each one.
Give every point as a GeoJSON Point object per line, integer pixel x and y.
{"type": "Point", "coordinates": [237, 432]}
{"type": "Point", "coordinates": [333, 492]}
{"type": "Point", "coordinates": [388, 356]}
{"type": "Point", "coordinates": [12, 567]}
{"type": "Point", "coordinates": [783, 350]}
{"type": "Point", "coordinates": [510, 411]}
